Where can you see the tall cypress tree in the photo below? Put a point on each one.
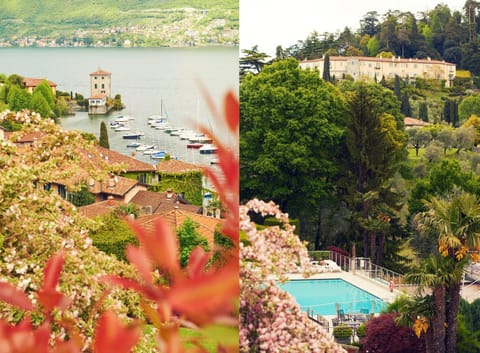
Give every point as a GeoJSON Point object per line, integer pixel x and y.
{"type": "Point", "coordinates": [423, 111]}
{"type": "Point", "coordinates": [326, 68]}
{"type": "Point", "coordinates": [446, 111]}
{"type": "Point", "coordinates": [405, 105]}
{"type": "Point", "coordinates": [104, 136]}
{"type": "Point", "coordinates": [396, 87]}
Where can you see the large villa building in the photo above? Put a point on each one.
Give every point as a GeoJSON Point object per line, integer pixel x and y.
{"type": "Point", "coordinates": [369, 68]}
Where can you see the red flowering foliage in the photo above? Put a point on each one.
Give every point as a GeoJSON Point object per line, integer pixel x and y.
{"type": "Point", "coordinates": [198, 296]}
{"type": "Point", "coordinates": [384, 336]}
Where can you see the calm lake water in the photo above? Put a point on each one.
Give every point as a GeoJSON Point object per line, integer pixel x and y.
{"type": "Point", "coordinates": [145, 78]}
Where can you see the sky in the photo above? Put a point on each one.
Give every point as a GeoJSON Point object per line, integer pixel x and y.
{"type": "Point", "coordinates": [270, 23]}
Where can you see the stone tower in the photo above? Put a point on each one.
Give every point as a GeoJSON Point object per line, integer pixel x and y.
{"type": "Point", "coordinates": [100, 83]}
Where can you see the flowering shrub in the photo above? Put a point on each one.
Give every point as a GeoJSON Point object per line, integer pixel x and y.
{"type": "Point", "coordinates": [56, 308]}
{"type": "Point", "coordinates": [270, 319]}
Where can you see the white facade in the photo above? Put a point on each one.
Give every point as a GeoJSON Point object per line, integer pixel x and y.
{"type": "Point", "coordinates": [367, 68]}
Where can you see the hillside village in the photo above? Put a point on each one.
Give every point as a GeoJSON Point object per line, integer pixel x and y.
{"type": "Point", "coordinates": [112, 179]}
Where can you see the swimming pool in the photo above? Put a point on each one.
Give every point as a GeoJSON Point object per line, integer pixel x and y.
{"type": "Point", "coordinates": [323, 295]}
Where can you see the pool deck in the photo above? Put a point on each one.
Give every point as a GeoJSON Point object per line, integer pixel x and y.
{"type": "Point", "coordinates": [371, 286]}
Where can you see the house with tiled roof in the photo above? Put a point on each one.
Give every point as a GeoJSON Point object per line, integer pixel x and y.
{"type": "Point", "coordinates": [183, 178]}
{"type": "Point", "coordinates": [411, 122]}
{"type": "Point", "coordinates": [32, 83]}
{"type": "Point", "coordinates": [151, 202]}
{"type": "Point", "coordinates": [115, 187]}
{"type": "Point", "coordinates": [132, 168]}
{"type": "Point", "coordinates": [100, 208]}
{"type": "Point", "coordinates": [176, 217]}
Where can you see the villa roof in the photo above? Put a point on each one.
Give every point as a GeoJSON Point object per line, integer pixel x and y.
{"type": "Point", "coordinates": [131, 164]}
{"type": "Point", "coordinates": [34, 82]}
{"type": "Point", "coordinates": [100, 73]}
{"type": "Point", "coordinates": [25, 138]}
{"type": "Point", "coordinates": [99, 208]}
{"type": "Point", "coordinates": [174, 166]}
{"type": "Point", "coordinates": [161, 202]}
{"type": "Point", "coordinates": [411, 122]}
{"type": "Point", "coordinates": [176, 217]}
{"type": "Point", "coordinates": [119, 187]}
{"type": "Point", "coordinates": [375, 59]}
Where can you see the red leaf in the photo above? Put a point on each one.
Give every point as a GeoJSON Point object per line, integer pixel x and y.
{"type": "Point", "coordinates": [14, 296]}
{"type": "Point", "coordinates": [151, 292]}
{"type": "Point", "coordinates": [197, 261]}
{"type": "Point", "coordinates": [232, 111]}
{"type": "Point", "coordinates": [161, 246]}
{"type": "Point", "coordinates": [51, 299]}
{"type": "Point", "coordinates": [142, 263]}
{"type": "Point", "coordinates": [52, 271]}
{"type": "Point", "coordinates": [201, 297]}
{"type": "Point", "coordinates": [112, 336]}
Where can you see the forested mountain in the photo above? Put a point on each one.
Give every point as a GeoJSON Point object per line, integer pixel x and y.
{"type": "Point", "coordinates": [110, 22]}
{"type": "Point", "coordinates": [442, 33]}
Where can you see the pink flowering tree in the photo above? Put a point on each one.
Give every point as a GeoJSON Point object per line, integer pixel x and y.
{"type": "Point", "coordinates": [270, 319]}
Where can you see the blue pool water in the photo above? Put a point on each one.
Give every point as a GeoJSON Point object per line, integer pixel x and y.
{"type": "Point", "coordinates": [323, 295]}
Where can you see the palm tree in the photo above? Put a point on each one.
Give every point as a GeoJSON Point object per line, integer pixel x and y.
{"type": "Point", "coordinates": [455, 222]}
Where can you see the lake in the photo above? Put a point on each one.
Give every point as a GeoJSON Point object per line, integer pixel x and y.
{"type": "Point", "coordinates": [146, 78]}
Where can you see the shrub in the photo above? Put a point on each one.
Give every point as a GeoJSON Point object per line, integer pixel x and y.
{"type": "Point", "coordinates": [113, 236]}
{"type": "Point", "coordinates": [272, 221]}
{"type": "Point", "coordinates": [342, 331]}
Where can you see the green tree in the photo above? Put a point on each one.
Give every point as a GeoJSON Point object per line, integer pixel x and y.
{"type": "Point", "coordinates": [373, 46]}
{"type": "Point", "coordinates": [455, 222]}
{"type": "Point", "coordinates": [45, 90]}
{"type": "Point", "coordinates": [396, 88]}
{"type": "Point", "coordinates": [423, 111]}
{"type": "Point", "coordinates": [103, 141]}
{"type": "Point", "coordinates": [418, 138]}
{"type": "Point", "coordinates": [252, 61]}
{"type": "Point", "coordinates": [405, 105]}
{"type": "Point", "coordinates": [447, 138]}
{"type": "Point", "coordinates": [326, 68]}
{"type": "Point", "coordinates": [468, 107]}
{"type": "Point", "coordinates": [40, 105]}
{"type": "Point", "coordinates": [18, 99]}
{"type": "Point", "coordinates": [375, 143]}
{"type": "Point", "coordinates": [289, 136]}
{"type": "Point", "coordinates": [189, 239]}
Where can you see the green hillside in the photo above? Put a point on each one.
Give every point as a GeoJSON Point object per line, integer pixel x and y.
{"type": "Point", "coordinates": [148, 22]}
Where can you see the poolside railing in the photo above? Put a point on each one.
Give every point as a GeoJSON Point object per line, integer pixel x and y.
{"type": "Point", "coordinates": [363, 266]}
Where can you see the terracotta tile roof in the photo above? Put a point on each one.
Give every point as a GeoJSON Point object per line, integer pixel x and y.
{"type": "Point", "coordinates": [174, 166]}
{"type": "Point", "coordinates": [160, 203]}
{"type": "Point", "coordinates": [100, 73]}
{"type": "Point", "coordinates": [99, 208]}
{"type": "Point", "coordinates": [176, 217]}
{"type": "Point", "coordinates": [375, 59]}
{"type": "Point", "coordinates": [414, 122]}
{"type": "Point", "coordinates": [29, 137]}
{"type": "Point", "coordinates": [131, 164]}
{"type": "Point", "coordinates": [119, 187]}
{"type": "Point", "coordinates": [34, 82]}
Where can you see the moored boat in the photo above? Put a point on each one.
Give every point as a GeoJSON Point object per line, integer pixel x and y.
{"type": "Point", "coordinates": [133, 144]}
{"type": "Point", "coordinates": [133, 135]}
{"type": "Point", "coordinates": [122, 128]}
{"type": "Point", "coordinates": [194, 145]}
{"type": "Point", "coordinates": [158, 155]}
{"type": "Point", "coordinates": [145, 147]}
{"type": "Point", "coordinates": [208, 149]}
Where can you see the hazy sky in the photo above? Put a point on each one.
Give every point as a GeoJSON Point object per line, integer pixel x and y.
{"type": "Point", "coordinates": [269, 23]}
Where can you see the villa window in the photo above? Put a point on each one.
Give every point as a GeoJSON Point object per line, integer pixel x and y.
{"type": "Point", "coordinates": [46, 187]}
{"type": "Point", "coordinates": [96, 86]}
{"type": "Point", "coordinates": [103, 85]}
{"type": "Point", "coordinates": [103, 77]}
{"type": "Point", "coordinates": [62, 191]}
{"type": "Point", "coordinates": [142, 178]}
{"type": "Point", "coordinates": [96, 77]}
